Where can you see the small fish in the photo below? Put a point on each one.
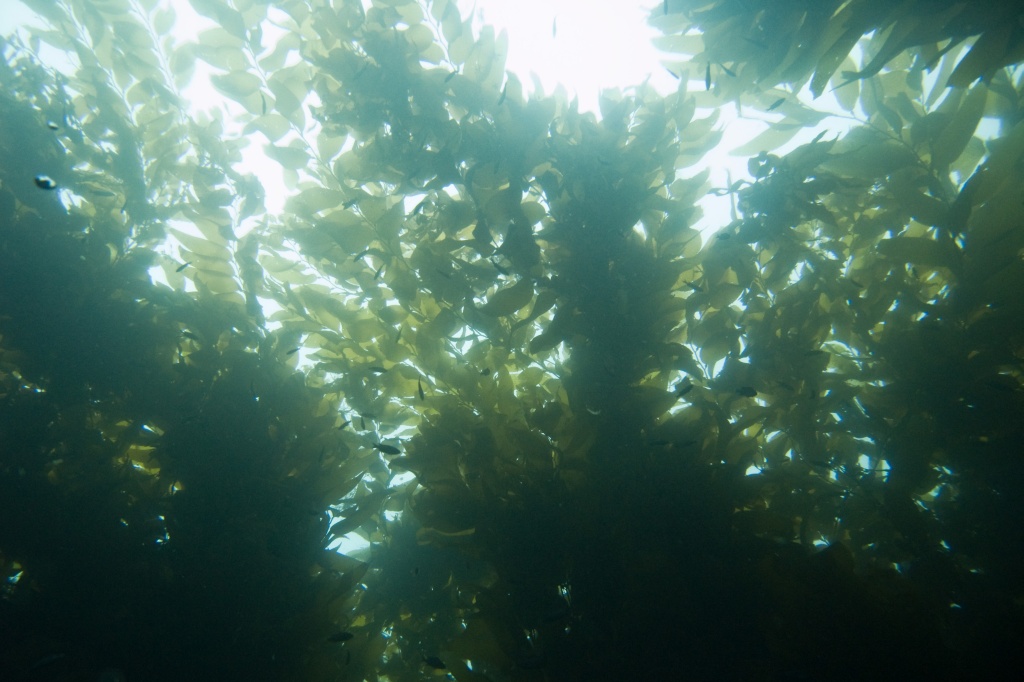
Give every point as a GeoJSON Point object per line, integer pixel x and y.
{"type": "Point", "coordinates": [291, 351]}
{"type": "Point", "coordinates": [665, 7]}
{"type": "Point", "coordinates": [344, 424]}
{"type": "Point", "coordinates": [419, 388]}
{"type": "Point", "coordinates": [263, 101]}
{"type": "Point", "coordinates": [349, 204]}
{"type": "Point", "coordinates": [362, 423]}
{"type": "Point", "coordinates": [434, 662]}
{"type": "Point", "coordinates": [377, 369]}
{"type": "Point", "coordinates": [723, 235]}
{"type": "Point", "coordinates": [684, 390]}
{"type": "Point", "coordinates": [727, 70]}
{"type": "Point", "coordinates": [777, 103]}
{"type": "Point", "coordinates": [183, 266]}
{"type": "Point", "coordinates": [377, 274]}
{"type": "Point", "coordinates": [554, 27]}
{"type": "Point", "coordinates": [52, 126]}
{"type": "Point", "coordinates": [707, 77]}
{"type": "Point", "coordinates": [746, 391]}
{"type": "Point", "coordinates": [450, 76]}
{"type": "Point", "coordinates": [419, 206]}
{"type": "Point", "coordinates": [360, 255]}
{"type": "Point", "coordinates": [45, 182]}
{"type": "Point", "coordinates": [504, 91]}
{"type": "Point", "coordinates": [189, 335]}
{"type": "Point", "coordinates": [485, 371]}
{"type": "Point", "coordinates": [672, 73]}
{"type": "Point", "coordinates": [387, 449]}
{"type": "Point", "coordinates": [340, 636]}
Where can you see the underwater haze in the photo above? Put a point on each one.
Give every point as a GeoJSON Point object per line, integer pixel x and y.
{"type": "Point", "coordinates": [468, 387]}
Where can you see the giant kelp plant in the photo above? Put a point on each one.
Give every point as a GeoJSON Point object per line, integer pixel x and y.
{"type": "Point", "coordinates": [481, 404]}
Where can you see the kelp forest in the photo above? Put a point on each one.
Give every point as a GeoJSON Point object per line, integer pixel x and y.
{"type": "Point", "coordinates": [481, 403]}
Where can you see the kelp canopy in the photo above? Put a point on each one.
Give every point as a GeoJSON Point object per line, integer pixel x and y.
{"type": "Point", "coordinates": [578, 442]}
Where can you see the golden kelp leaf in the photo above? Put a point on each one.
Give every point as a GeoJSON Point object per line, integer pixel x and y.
{"type": "Point", "coordinates": [282, 84]}
{"type": "Point", "coordinates": [225, 16]}
{"type": "Point", "coordinates": [724, 294]}
{"type": "Point", "coordinates": [953, 139]}
{"type": "Point", "coordinates": [366, 508]}
{"type": "Point", "coordinates": [274, 126]}
{"type": "Point", "coordinates": [509, 300]}
{"type": "Point", "coordinates": [314, 200]}
{"type": "Point", "coordinates": [654, 401]}
{"type": "Point", "coordinates": [923, 208]}
{"type": "Point", "coordinates": [833, 57]}
{"type": "Point", "coordinates": [291, 158]}
{"type": "Point", "coordinates": [217, 283]}
{"type": "Point", "coordinates": [433, 536]}
{"type": "Point", "coordinates": [988, 179]}
{"type": "Point", "coordinates": [420, 37]}
{"type": "Point", "coordinates": [986, 55]}
{"type": "Point", "coordinates": [847, 91]}
{"type": "Point", "coordinates": [206, 248]}
{"type": "Point", "coordinates": [772, 138]}
{"type": "Point", "coordinates": [920, 251]}
{"type": "Point", "coordinates": [545, 301]}
{"type": "Point", "coordinates": [237, 85]}
{"type": "Point", "coordinates": [872, 160]}
{"type": "Point", "coordinates": [533, 212]}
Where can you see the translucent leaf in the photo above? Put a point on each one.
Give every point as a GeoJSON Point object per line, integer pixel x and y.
{"type": "Point", "coordinates": [291, 158]}
{"type": "Point", "coordinates": [986, 55]}
{"type": "Point", "coordinates": [460, 49]}
{"type": "Point", "coordinates": [274, 126]}
{"type": "Point", "coordinates": [218, 37]}
{"type": "Point", "coordinates": [182, 63]}
{"type": "Point", "coordinates": [237, 85]}
{"type": "Point", "coordinates": [952, 141]}
{"type": "Point", "coordinates": [276, 59]}
{"type": "Point", "coordinates": [420, 37]}
{"type": "Point", "coordinates": [451, 22]}
{"type": "Point", "coordinates": [163, 21]}
{"type": "Point", "coordinates": [772, 138]}
{"type": "Point", "coordinates": [508, 300]}
{"type": "Point", "coordinates": [202, 247]}
{"type": "Point", "coordinates": [920, 251]}
{"type": "Point", "coordinates": [217, 283]}
{"type": "Point", "coordinates": [872, 160]}
{"type": "Point", "coordinates": [225, 16]}
{"type": "Point", "coordinates": [57, 39]}
{"type": "Point", "coordinates": [314, 200]}
{"type": "Point", "coordinates": [285, 101]}
{"type": "Point", "coordinates": [996, 170]}
{"type": "Point", "coordinates": [832, 58]}
{"type": "Point", "coordinates": [52, 11]}
{"type": "Point", "coordinates": [925, 209]}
